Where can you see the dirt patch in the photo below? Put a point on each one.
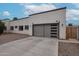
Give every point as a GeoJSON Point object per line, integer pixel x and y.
{"type": "Point", "coordinates": [68, 49]}
{"type": "Point", "coordinates": [8, 37]}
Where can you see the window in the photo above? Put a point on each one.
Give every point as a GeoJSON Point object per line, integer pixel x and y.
{"type": "Point", "coordinates": [15, 26]}
{"type": "Point", "coordinates": [11, 28]}
{"type": "Point", "coordinates": [5, 28]}
{"type": "Point", "coordinates": [21, 28]}
{"type": "Point", "coordinates": [26, 27]}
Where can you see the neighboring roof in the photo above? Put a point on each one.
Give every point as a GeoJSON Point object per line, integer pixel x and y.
{"type": "Point", "coordinates": [24, 18]}
{"type": "Point", "coordinates": [21, 18]}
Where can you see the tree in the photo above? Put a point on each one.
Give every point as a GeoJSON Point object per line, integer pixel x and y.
{"type": "Point", "coordinates": [15, 18]}
{"type": "Point", "coordinates": [2, 27]}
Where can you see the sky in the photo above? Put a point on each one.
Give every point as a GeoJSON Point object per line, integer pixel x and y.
{"type": "Point", "coordinates": [20, 10]}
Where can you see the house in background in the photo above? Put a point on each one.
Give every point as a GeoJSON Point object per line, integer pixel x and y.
{"type": "Point", "coordinates": [44, 24]}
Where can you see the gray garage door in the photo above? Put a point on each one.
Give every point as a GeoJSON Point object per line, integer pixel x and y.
{"type": "Point", "coordinates": [46, 30]}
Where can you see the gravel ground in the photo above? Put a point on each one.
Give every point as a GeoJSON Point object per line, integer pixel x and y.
{"type": "Point", "coordinates": [4, 38]}
{"type": "Point", "coordinates": [68, 49]}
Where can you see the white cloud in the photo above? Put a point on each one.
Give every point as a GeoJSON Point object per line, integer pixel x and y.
{"type": "Point", "coordinates": [6, 13]}
{"type": "Point", "coordinates": [31, 8]}
{"type": "Point", "coordinates": [72, 14]}
{"type": "Point", "coordinates": [76, 5]}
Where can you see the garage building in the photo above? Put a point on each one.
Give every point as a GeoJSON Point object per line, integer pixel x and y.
{"type": "Point", "coordinates": [44, 24]}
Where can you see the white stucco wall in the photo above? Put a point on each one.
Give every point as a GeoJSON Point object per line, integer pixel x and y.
{"type": "Point", "coordinates": [49, 17]}
{"type": "Point", "coordinates": [21, 23]}
{"type": "Point", "coordinates": [52, 17]}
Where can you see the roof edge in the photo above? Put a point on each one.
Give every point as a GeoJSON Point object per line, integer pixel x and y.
{"type": "Point", "coordinates": [40, 13]}
{"type": "Point", "coordinates": [48, 11]}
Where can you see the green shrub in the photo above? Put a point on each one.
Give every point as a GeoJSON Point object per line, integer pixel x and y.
{"type": "Point", "coordinates": [2, 27]}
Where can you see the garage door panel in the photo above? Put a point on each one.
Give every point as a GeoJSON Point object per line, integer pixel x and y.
{"type": "Point", "coordinates": [47, 30]}
{"type": "Point", "coordinates": [38, 30]}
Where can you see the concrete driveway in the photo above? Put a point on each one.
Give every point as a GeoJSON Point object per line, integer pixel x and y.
{"type": "Point", "coordinates": [31, 46]}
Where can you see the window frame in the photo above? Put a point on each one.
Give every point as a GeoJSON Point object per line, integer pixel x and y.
{"type": "Point", "coordinates": [11, 27]}
{"type": "Point", "coordinates": [21, 28]}
{"type": "Point", "coordinates": [26, 27]}
{"type": "Point", "coordinates": [16, 26]}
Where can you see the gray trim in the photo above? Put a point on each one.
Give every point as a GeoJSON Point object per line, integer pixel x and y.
{"type": "Point", "coordinates": [58, 30]}
{"type": "Point", "coordinates": [33, 30]}
{"type": "Point", "coordinates": [45, 23]}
